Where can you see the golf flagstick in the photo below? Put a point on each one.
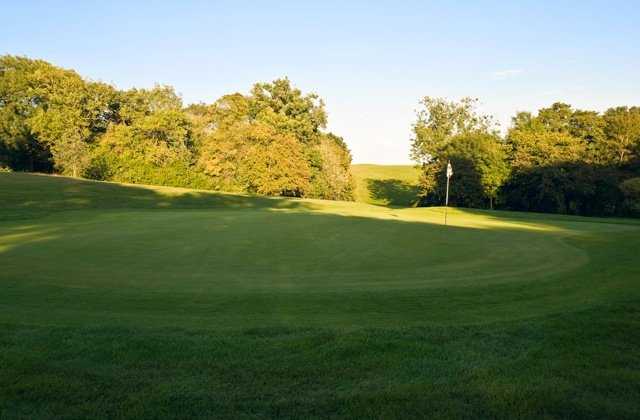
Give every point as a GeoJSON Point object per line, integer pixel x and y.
{"type": "Point", "coordinates": [446, 200]}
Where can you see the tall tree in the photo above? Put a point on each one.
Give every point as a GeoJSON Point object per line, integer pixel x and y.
{"type": "Point", "coordinates": [455, 131]}
{"type": "Point", "coordinates": [287, 109]}
{"type": "Point", "coordinates": [622, 133]}
{"type": "Point", "coordinates": [439, 121]}
{"type": "Point", "coordinates": [19, 146]}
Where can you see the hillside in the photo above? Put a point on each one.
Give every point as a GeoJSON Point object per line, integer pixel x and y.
{"type": "Point", "coordinates": [152, 300]}
{"type": "Point", "coordinates": [387, 185]}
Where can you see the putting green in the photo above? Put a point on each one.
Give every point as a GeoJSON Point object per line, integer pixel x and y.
{"type": "Point", "coordinates": [293, 262]}
{"type": "Point", "coordinates": [120, 301]}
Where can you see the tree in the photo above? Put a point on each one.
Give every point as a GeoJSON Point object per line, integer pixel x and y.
{"type": "Point", "coordinates": [225, 131]}
{"type": "Point", "coordinates": [556, 118]}
{"type": "Point", "coordinates": [287, 109]}
{"type": "Point", "coordinates": [631, 190]}
{"type": "Point", "coordinates": [155, 149]}
{"type": "Point", "coordinates": [529, 148]}
{"type": "Point", "coordinates": [480, 170]}
{"type": "Point", "coordinates": [331, 175]}
{"type": "Point", "coordinates": [274, 163]}
{"type": "Point", "coordinates": [454, 131]}
{"type": "Point", "coordinates": [19, 145]}
{"type": "Point", "coordinates": [134, 104]}
{"type": "Point", "coordinates": [71, 154]}
{"type": "Point", "coordinates": [269, 141]}
{"type": "Point", "coordinates": [440, 120]}
{"type": "Point", "coordinates": [622, 133]}
{"type": "Point", "coordinates": [49, 112]}
{"type": "Point", "coordinates": [255, 157]}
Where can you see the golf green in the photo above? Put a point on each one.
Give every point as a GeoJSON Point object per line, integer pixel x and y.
{"type": "Point", "coordinates": [143, 302]}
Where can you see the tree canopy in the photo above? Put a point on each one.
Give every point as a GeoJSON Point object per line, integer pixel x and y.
{"type": "Point", "coordinates": [273, 140]}
{"type": "Point", "coordinates": [270, 141]}
{"type": "Point", "coordinates": [561, 160]}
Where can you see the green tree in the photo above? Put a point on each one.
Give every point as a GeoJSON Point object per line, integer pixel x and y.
{"type": "Point", "coordinates": [255, 157]}
{"type": "Point", "coordinates": [455, 131]}
{"type": "Point", "coordinates": [622, 133]}
{"type": "Point", "coordinates": [46, 108]}
{"type": "Point", "coordinates": [19, 146]}
{"type": "Point", "coordinates": [556, 118]}
{"type": "Point", "coordinates": [529, 148]}
{"type": "Point", "coordinates": [331, 175]}
{"type": "Point", "coordinates": [480, 166]}
{"type": "Point", "coordinates": [439, 121]}
{"type": "Point", "coordinates": [274, 163]}
{"type": "Point", "coordinates": [631, 190]}
{"type": "Point", "coordinates": [287, 109]}
{"type": "Point", "coordinates": [155, 149]}
{"type": "Point", "coordinates": [224, 129]}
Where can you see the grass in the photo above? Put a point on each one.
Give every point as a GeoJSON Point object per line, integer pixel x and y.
{"type": "Point", "coordinates": [123, 301]}
{"type": "Point", "coordinates": [387, 185]}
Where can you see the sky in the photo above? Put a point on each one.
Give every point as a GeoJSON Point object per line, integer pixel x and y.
{"type": "Point", "coordinates": [371, 61]}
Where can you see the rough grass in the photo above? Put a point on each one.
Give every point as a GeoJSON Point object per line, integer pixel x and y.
{"type": "Point", "coordinates": [147, 302]}
{"type": "Point", "coordinates": [387, 185]}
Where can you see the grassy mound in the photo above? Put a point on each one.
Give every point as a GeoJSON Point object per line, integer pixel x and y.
{"type": "Point", "coordinates": [145, 302]}
{"type": "Point", "coordinates": [392, 185]}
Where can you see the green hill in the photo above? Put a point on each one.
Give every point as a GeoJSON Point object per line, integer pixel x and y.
{"type": "Point", "coordinates": [152, 302]}
{"type": "Point", "coordinates": [392, 185]}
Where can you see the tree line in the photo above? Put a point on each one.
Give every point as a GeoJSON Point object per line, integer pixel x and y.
{"type": "Point", "coordinates": [560, 160]}
{"type": "Point", "coordinates": [271, 141]}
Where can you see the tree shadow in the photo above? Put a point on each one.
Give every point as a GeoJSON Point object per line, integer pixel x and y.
{"type": "Point", "coordinates": [394, 192]}
{"type": "Point", "coordinates": [568, 188]}
{"type": "Point", "coordinates": [572, 188]}
{"type": "Point", "coordinates": [26, 196]}
{"type": "Point", "coordinates": [465, 189]}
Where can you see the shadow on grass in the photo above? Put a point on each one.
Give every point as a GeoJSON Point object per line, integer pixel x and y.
{"type": "Point", "coordinates": [180, 346]}
{"type": "Point", "coordinates": [394, 192]}
{"type": "Point", "coordinates": [268, 255]}
{"type": "Point", "coordinates": [25, 196]}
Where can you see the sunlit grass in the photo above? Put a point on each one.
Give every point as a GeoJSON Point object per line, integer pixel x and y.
{"type": "Point", "coordinates": [130, 301]}
{"type": "Point", "coordinates": [395, 185]}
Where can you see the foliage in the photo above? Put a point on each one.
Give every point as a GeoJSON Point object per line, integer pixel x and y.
{"type": "Point", "coordinates": [562, 160]}
{"type": "Point", "coordinates": [622, 134]}
{"type": "Point", "coordinates": [631, 190]}
{"type": "Point", "coordinates": [154, 150]}
{"type": "Point", "coordinates": [570, 161]}
{"type": "Point", "coordinates": [331, 175]}
{"type": "Point", "coordinates": [287, 109]}
{"type": "Point", "coordinates": [257, 159]}
{"type": "Point", "coordinates": [439, 121]}
{"type": "Point", "coordinates": [455, 132]}
{"type": "Point", "coordinates": [531, 148]}
{"type": "Point", "coordinates": [568, 188]}
{"type": "Point", "coordinates": [268, 142]}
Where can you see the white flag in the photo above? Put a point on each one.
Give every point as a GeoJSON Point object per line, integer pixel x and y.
{"type": "Point", "coordinates": [449, 170]}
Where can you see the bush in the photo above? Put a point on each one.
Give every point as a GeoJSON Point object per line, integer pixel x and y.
{"type": "Point", "coordinates": [631, 190]}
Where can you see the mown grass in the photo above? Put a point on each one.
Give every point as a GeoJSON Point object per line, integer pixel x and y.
{"type": "Point", "coordinates": [146, 302]}
{"type": "Point", "coordinates": [387, 185]}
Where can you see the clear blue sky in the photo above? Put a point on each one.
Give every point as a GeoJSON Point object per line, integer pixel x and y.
{"type": "Point", "coordinates": [370, 61]}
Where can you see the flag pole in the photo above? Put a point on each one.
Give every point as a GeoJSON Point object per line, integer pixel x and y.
{"type": "Point", "coordinates": [446, 200]}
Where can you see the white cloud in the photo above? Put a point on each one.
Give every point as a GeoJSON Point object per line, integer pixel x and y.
{"type": "Point", "coordinates": [506, 74]}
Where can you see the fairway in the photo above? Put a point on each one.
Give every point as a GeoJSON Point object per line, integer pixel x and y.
{"type": "Point", "coordinates": [144, 302]}
{"type": "Point", "coordinates": [392, 185]}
